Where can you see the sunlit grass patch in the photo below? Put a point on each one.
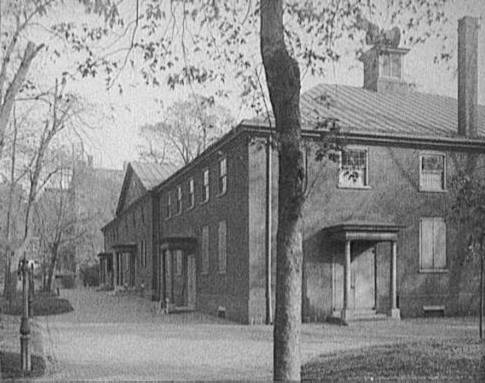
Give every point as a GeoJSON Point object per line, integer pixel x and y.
{"type": "Point", "coordinates": [437, 360]}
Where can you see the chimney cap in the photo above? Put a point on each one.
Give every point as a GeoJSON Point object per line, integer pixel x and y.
{"type": "Point", "coordinates": [382, 49]}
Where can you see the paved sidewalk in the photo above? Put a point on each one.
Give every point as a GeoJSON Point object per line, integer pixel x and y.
{"type": "Point", "coordinates": [119, 338]}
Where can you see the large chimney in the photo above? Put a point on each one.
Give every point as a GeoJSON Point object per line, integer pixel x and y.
{"type": "Point", "coordinates": [467, 76]}
{"type": "Point", "coordinates": [383, 69]}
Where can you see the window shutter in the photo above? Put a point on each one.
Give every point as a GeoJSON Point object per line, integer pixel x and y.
{"type": "Point", "coordinates": [439, 244]}
{"type": "Point", "coordinates": [426, 243]}
{"type": "Point", "coordinates": [205, 249]}
{"type": "Point", "coordinates": [222, 247]}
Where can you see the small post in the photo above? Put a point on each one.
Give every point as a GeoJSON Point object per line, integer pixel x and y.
{"type": "Point", "coordinates": [347, 264]}
{"type": "Point", "coordinates": [394, 312]}
{"type": "Point", "coordinates": [25, 360]}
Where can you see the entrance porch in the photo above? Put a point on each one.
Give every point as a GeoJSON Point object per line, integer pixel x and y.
{"type": "Point", "coordinates": [124, 265]}
{"type": "Point", "coordinates": [355, 269]}
{"type": "Point", "coordinates": [106, 269]}
{"type": "Point", "coordinates": [177, 274]}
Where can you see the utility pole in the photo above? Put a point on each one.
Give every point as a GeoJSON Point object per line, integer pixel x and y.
{"type": "Point", "coordinates": [25, 360]}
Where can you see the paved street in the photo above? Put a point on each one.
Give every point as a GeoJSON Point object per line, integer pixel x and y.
{"type": "Point", "coordinates": [119, 338]}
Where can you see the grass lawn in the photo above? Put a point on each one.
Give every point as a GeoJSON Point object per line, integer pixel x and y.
{"type": "Point", "coordinates": [11, 368]}
{"type": "Point", "coordinates": [43, 304]}
{"type": "Point", "coordinates": [451, 360]}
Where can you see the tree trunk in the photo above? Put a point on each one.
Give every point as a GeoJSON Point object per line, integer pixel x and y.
{"type": "Point", "coordinates": [8, 101]}
{"type": "Point", "coordinates": [50, 271]}
{"type": "Point", "coordinates": [283, 79]}
{"type": "Point", "coordinates": [482, 304]}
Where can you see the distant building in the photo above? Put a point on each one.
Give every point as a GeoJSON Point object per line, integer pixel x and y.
{"type": "Point", "coordinates": [376, 236]}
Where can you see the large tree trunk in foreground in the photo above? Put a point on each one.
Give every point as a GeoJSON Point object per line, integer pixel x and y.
{"type": "Point", "coordinates": [283, 78]}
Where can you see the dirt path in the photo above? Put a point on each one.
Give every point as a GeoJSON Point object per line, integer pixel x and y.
{"type": "Point", "coordinates": [119, 338]}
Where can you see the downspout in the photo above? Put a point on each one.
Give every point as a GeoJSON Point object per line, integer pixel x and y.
{"type": "Point", "coordinates": [268, 231]}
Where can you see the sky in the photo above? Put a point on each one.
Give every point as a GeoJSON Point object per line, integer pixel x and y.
{"type": "Point", "coordinates": [116, 140]}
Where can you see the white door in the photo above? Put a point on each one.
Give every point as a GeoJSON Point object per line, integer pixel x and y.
{"type": "Point", "coordinates": [191, 288]}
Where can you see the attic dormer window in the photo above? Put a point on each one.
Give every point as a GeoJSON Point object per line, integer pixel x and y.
{"type": "Point", "coordinates": [390, 64]}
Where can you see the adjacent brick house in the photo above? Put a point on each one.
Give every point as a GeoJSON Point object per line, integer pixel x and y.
{"type": "Point", "coordinates": [128, 238]}
{"type": "Point", "coordinates": [376, 227]}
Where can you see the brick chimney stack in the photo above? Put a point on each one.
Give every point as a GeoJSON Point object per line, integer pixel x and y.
{"type": "Point", "coordinates": [467, 76]}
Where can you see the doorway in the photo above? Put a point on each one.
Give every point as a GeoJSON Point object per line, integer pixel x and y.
{"type": "Point", "coordinates": [362, 295]}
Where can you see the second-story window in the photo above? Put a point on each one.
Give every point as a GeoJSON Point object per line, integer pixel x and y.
{"type": "Point", "coordinates": [190, 195]}
{"type": "Point", "coordinates": [353, 168]}
{"type": "Point", "coordinates": [168, 211]}
{"type": "Point", "coordinates": [179, 199]}
{"type": "Point", "coordinates": [432, 172]}
{"type": "Point", "coordinates": [222, 176]}
{"type": "Point", "coordinates": [205, 185]}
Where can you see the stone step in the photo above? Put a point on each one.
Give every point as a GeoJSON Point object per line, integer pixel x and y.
{"type": "Point", "coordinates": [361, 315]}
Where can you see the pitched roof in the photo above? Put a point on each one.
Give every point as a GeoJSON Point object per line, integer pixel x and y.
{"type": "Point", "coordinates": [150, 174]}
{"type": "Point", "coordinates": [365, 111]}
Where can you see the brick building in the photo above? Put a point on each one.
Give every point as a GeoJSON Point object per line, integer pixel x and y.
{"type": "Point", "coordinates": [378, 238]}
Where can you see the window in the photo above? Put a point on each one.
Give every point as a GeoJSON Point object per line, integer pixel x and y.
{"type": "Point", "coordinates": [168, 210]}
{"type": "Point", "coordinates": [178, 262]}
{"type": "Point", "coordinates": [353, 168]}
{"type": "Point", "coordinates": [205, 185]}
{"type": "Point", "coordinates": [390, 65]}
{"type": "Point", "coordinates": [432, 244]}
{"type": "Point", "coordinates": [432, 172]}
{"type": "Point", "coordinates": [134, 218]}
{"type": "Point", "coordinates": [222, 244]}
{"type": "Point", "coordinates": [190, 195]}
{"type": "Point", "coordinates": [179, 199]}
{"type": "Point", "coordinates": [205, 250]}
{"type": "Point", "coordinates": [222, 176]}
{"type": "Point", "coordinates": [142, 214]}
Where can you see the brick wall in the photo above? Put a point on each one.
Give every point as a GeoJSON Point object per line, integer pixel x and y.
{"type": "Point", "coordinates": [393, 196]}
{"type": "Point", "coordinates": [214, 290]}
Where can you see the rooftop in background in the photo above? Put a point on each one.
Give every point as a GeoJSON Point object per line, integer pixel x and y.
{"type": "Point", "coordinates": [150, 174]}
{"type": "Point", "coordinates": [364, 111]}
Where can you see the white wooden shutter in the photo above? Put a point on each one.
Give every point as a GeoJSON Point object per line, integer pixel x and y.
{"type": "Point", "coordinates": [426, 256]}
{"type": "Point", "coordinates": [439, 244]}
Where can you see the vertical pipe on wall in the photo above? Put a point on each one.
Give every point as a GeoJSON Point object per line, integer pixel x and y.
{"type": "Point", "coordinates": [268, 231]}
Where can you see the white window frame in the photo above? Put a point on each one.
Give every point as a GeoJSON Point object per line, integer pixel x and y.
{"type": "Point", "coordinates": [205, 185]}
{"type": "Point", "coordinates": [222, 176]}
{"type": "Point", "coordinates": [222, 247]}
{"type": "Point", "coordinates": [366, 185]}
{"type": "Point", "coordinates": [204, 249]}
{"type": "Point", "coordinates": [432, 269]}
{"type": "Point", "coordinates": [191, 193]}
{"type": "Point", "coordinates": [428, 154]}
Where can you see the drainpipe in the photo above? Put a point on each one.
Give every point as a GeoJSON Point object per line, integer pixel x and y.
{"type": "Point", "coordinates": [268, 231]}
